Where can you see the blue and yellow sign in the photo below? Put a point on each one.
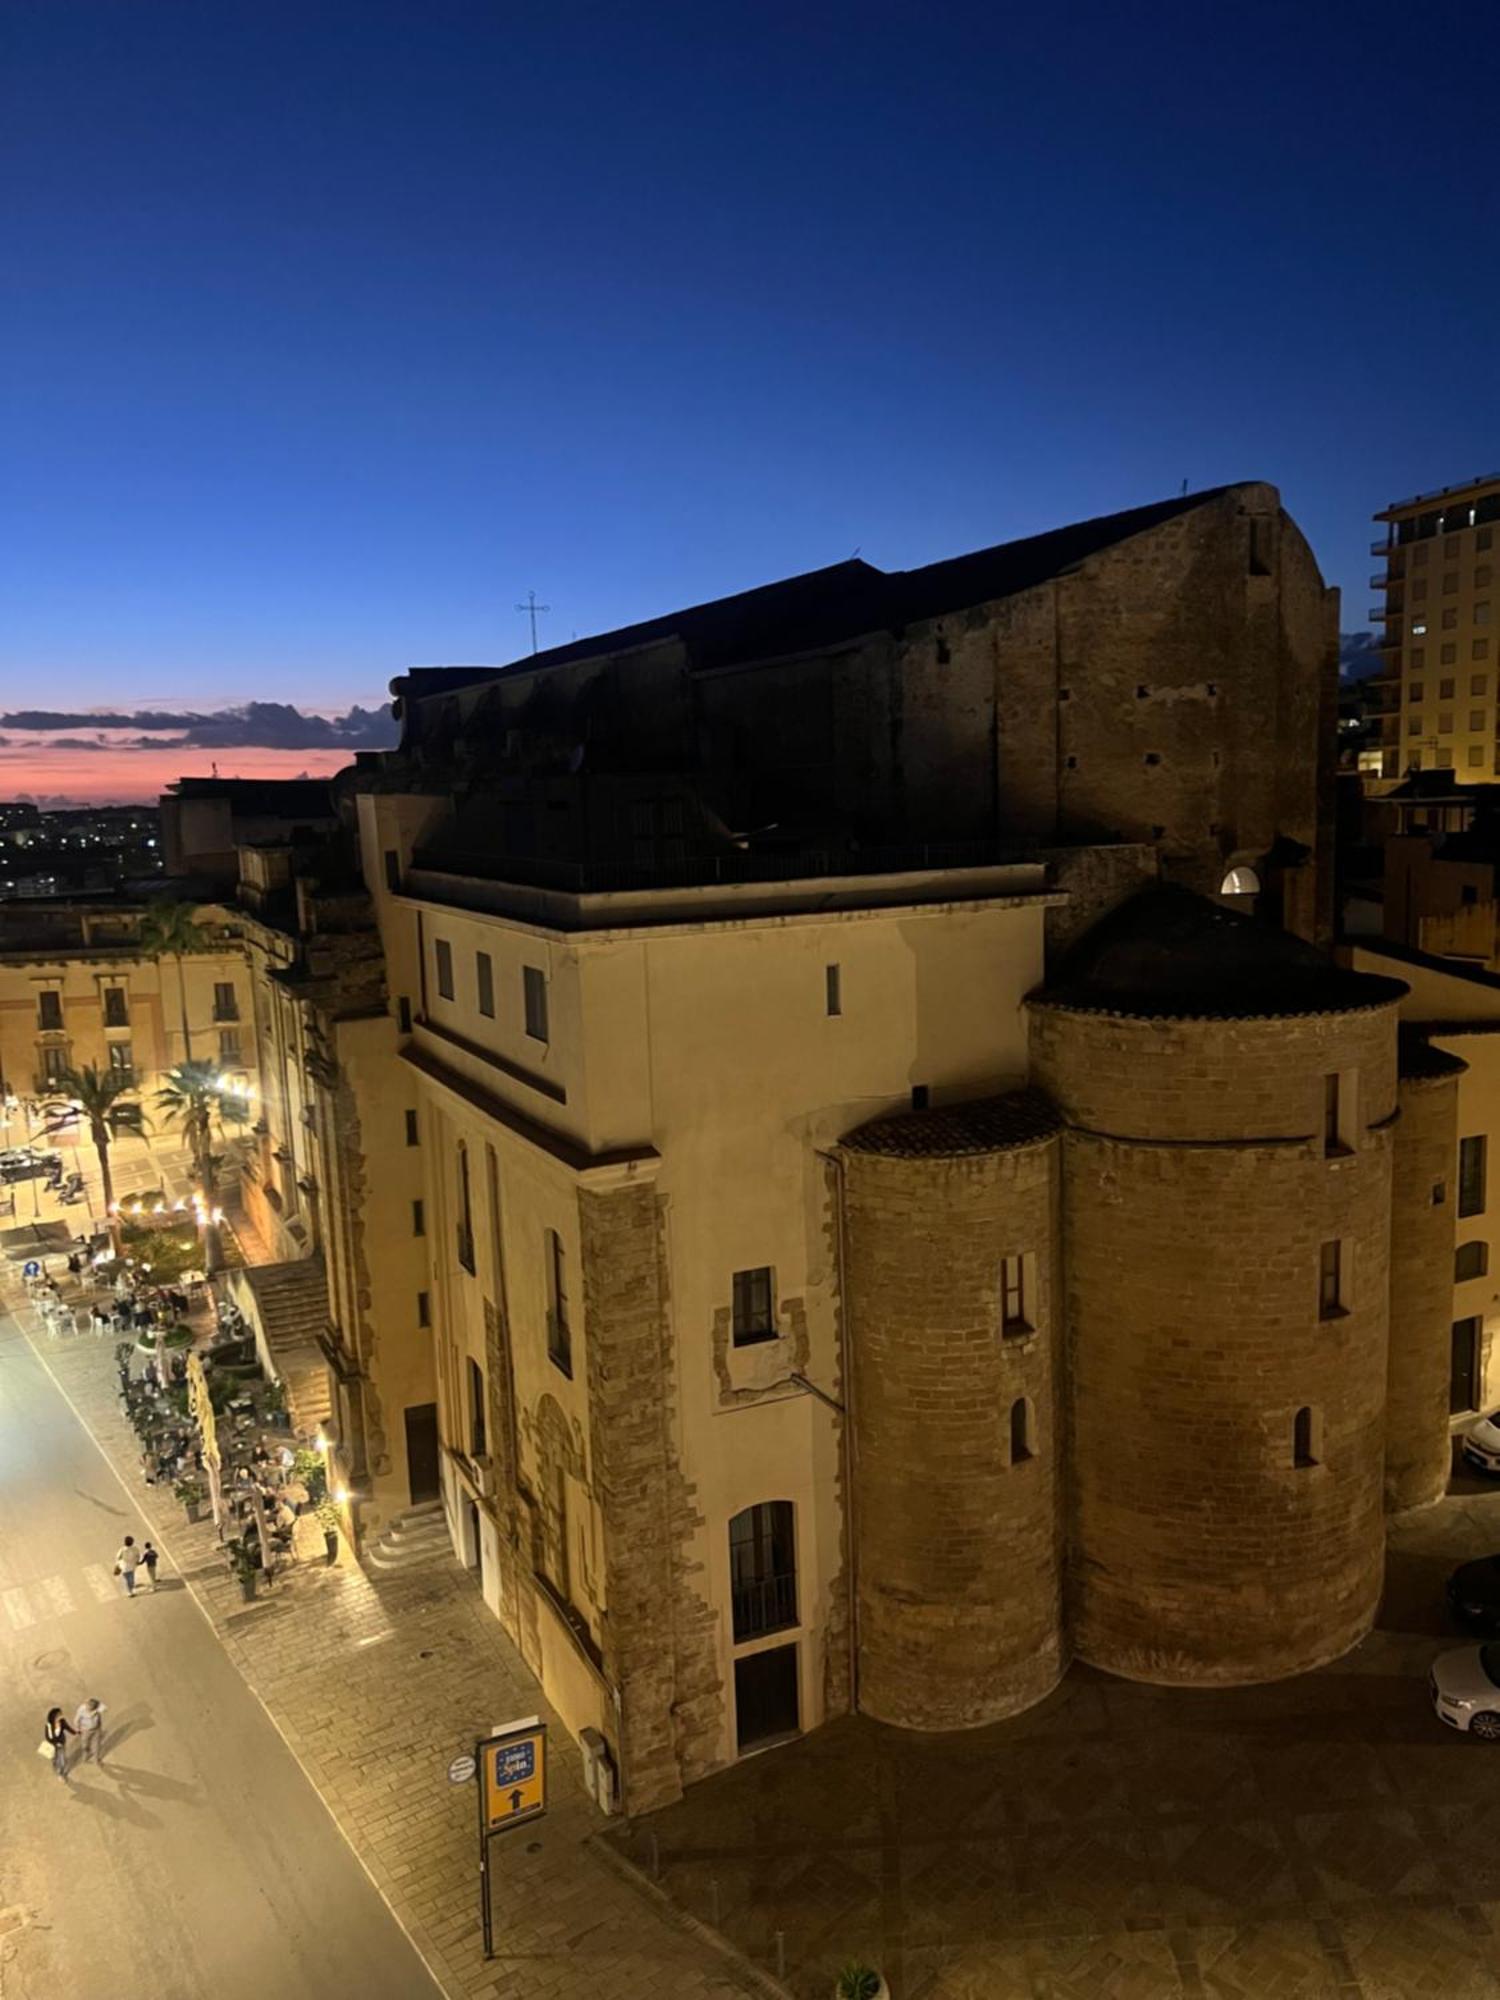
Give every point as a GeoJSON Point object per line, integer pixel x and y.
{"type": "Point", "coordinates": [512, 1776]}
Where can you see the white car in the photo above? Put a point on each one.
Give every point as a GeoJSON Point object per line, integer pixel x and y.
{"type": "Point", "coordinates": [1481, 1443]}
{"type": "Point", "coordinates": [1465, 1687]}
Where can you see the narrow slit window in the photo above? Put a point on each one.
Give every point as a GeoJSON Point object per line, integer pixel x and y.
{"type": "Point", "coordinates": [1304, 1438]}
{"type": "Point", "coordinates": [833, 996]}
{"type": "Point", "coordinates": [1022, 1440]}
{"type": "Point", "coordinates": [443, 951]}
{"type": "Point", "coordinates": [1014, 1318]}
{"type": "Point", "coordinates": [1331, 1280]}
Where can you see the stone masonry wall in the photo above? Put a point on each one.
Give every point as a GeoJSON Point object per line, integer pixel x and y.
{"type": "Point", "coordinates": [1197, 1197]}
{"type": "Point", "coordinates": [957, 1547]}
{"type": "Point", "coordinates": [658, 1631]}
{"type": "Point", "coordinates": [1197, 1201]}
{"type": "Point", "coordinates": [1418, 1450]}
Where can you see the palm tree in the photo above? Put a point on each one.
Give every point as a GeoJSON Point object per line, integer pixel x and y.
{"type": "Point", "coordinates": [170, 930]}
{"type": "Point", "coordinates": [195, 1096]}
{"type": "Point", "coordinates": [97, 1094]}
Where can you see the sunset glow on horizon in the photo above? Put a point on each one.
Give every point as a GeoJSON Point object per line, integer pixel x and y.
{"type": "Point", "coordinates": [57, 771]}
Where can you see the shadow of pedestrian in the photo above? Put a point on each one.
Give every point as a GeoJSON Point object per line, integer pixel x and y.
{"type": "Point", "coordinates": [129, 1724]}
{"type": "Point", "coordinates": [130, 1779]}
{"type": "Point", "coordinates": [113, 1806]}
{"type": "Point", "coordinates": [120, 1513]}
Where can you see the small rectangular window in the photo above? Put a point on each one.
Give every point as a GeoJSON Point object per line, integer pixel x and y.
{"type": "Point", "coordinates": [403, 1014]}
{"type": "Point", "coordinates": [1448, 655]}
{"type": "Point", "coordinates": [1479, 649]}
{"type": "Point", "coordinates": [1014, 1319]}
{"type": "Point", "coordinates": [413, 1135]}
{"type": "Point", "coordinates": [478, 1429]}
{"type": "Point", "coordinates": [1331, 1300]}
{"type": "Point", "coordinates": [1476, 756]}
{"type": "Point", "coordinates": [226, 1001]}
{"type": "Point", "coordinates": [1478, 683]}
{"type": "Point", "coordinates": [116, 1012]}
{"type": "Point", "coordinates": [49, 1010]}
{"type": "Point", "coordinates": [229, 1046]}
{"type": "Point", "coordinates": [444, 954]}
{"type": "Point", "coordinates": [54, 1063]}
{"type": "Point", "coordinates": [833, 999]}
{"type": "Point", "coordinates": [484, 981]}
{"type": "Point", "coordinates": [1445, 690]}
{"type": "Point", "coordinates": [1471, 1260]}
{"type": "Point", "coordinates": [393, 871]}
{"type": "Point", "coordinates": [534, 995]}
{"type": "Point", "coordinates": [754, 1314]}
{"type": "Point", "coordinates": [424, 1309]}
{"type": "Point", "coordinates": [1471, 1175]}
{"type": "Point", "coordinates": [418, 1219]}
{"type": "Point", "coordinates": [919, 1096]}
{"type": "Point", "coordinates": [121, 1061]}
{"type": "Point", "coordinates": [1476, 718]}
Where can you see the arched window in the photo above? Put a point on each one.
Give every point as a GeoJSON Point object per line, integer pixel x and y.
{"type": "Point", "coordinates": [1241, 881]}
{"type": "Point", "coordinates": [763, 1569]}
{"type": "Point", "coordinates": [1022, 1431]}
{"type": "Point", "coordinates": [1307, 1438]}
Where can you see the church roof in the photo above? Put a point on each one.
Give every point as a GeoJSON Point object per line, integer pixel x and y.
{"type": "Point", "coordinates": [1168, 954]}
{"type": "Point", "coordinates": [822, 607]}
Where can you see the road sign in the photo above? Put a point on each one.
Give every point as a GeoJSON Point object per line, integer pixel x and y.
{"type": "Point", "coordinates": [31, 1268]}
{"type": "Point", "coordinates": [461, 1770]}
{"type": "Point", "coordinates": [513, 1771]}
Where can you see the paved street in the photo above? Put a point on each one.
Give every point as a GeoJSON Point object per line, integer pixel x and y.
{"type": "Point", "coordinates": [376, 1682]}
{"type": "Point", "coordinates": [199, 1861]}
{"type": "Point", "coordinates": [1318, 1837]}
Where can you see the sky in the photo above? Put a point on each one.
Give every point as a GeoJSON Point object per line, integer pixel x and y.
{"type": "Point", "coordinates": [328, 332]}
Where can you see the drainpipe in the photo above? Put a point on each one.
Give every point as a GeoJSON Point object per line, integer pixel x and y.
{"type": "Point", "coordinates": [846, 1378]}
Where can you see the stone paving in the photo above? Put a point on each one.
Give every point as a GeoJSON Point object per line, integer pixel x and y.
{"type": "Point", "coordinates": [376, 1686]}
{"type": "Point", "coordinates": [1322, 1836]}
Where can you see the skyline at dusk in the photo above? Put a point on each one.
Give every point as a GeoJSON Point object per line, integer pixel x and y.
{"type": "Point", "coordinates": [340, 332]}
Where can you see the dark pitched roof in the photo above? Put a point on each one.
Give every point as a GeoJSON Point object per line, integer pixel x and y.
{"type": "Point", "coordinates": [1170, 955]}
{"type": "Point", "coordinates": [1419, 1062]}
{"type": "Point", "coordinates": [845, 600]}
{"type": "Point", "coordinates": [952, 1131]}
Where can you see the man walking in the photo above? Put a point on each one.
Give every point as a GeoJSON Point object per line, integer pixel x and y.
{"type": "Point", "coordinates": [125, 1564]}
{"type": "Point", "coordinates": [89, 1724]}
{"type": "Point", "coordinates": [149, 1558]}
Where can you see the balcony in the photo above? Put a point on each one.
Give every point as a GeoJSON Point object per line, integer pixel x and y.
{"type": "Point", "coordinates": [1381, 548]}
{"type": "Point", "coordinates": [1385, 579]}
{"type": "Point", "coordinates": [1393, 607]}
{"type": "Point", "coordinates": [764, 1604]}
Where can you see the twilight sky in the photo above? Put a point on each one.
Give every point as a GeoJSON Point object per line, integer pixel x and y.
{"type": "Point", "coordinates": [327, 331]}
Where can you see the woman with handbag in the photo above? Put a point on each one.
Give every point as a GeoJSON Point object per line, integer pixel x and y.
{"type": "Point", "coordinates": [55, 1739]}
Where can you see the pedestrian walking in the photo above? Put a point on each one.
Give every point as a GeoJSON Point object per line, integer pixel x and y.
{"type": "Point", "coordinates": [126, 1560]}
{"type": "Point", "coordinates": [149, 1558]}
{"type": "Point", "coordinates": [55, 1736]}
{"type": "Point", "coordinates": [88, 1726]}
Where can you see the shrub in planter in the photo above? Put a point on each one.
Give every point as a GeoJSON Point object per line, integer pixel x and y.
{"type": "Point", "coordinates": [312, 1469]}
{"type": "Point", "coordinates": [858, 1981]}
{"type": "Point", "coordinates": [328, 1521]}
{"type": "Point", "coordinates": [190, 1493]}
{"type": "Point", "coordinates": [243, 1564]}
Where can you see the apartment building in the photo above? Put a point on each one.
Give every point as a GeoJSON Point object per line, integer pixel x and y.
{"type": "Point", "coordinates": [1440, 634]}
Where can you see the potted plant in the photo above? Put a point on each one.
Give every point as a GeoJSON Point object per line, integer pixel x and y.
{"type": "Point", "coordinates": [243, 1564]}
{"type": "Point", "coordinates": [190, 1493]}
{"type": "Point", "coordinates": [275, 1406]}
{"type": "Point", "coordinates": [328, 1521]}
{"type": "Point", "coordinates": [859, 1981]}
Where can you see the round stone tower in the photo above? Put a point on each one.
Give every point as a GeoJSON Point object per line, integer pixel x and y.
{"type": "Point", "coordinates": [952, 1309]}
{"type": "Point", "coordinates": [1418, 1448]}
{"type": "Point", "coordinates": [1230, 1097]}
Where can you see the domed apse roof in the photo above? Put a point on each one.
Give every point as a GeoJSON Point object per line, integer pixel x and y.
{"type": "Point", "coordinates": [952, 1131]}
{"type": "Point", "coordinates": [1417, 1061]}
{"type": "Point", "coordinates": [1168, 954]}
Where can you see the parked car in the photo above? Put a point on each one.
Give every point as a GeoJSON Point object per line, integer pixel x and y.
{"type": "Point", "coordinates": [1481, 1443]}
{"type": "Point", "coordinates": [1465, 1689]}
{"type": "Point", "coordinates": [1474, 1595]}
{"type": "Point", "coordinates": [24, 1163]}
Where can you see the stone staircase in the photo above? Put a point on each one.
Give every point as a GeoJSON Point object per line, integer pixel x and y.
{"type": "Point", "coordinates": [418, 1536]}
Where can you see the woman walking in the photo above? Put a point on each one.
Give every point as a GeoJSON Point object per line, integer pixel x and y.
{"type": "Point", "coordinates": [56, 1733]}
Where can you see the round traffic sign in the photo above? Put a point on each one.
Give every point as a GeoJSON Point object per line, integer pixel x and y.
{"type": "Point", "coordinates": [460, 1770]}
{"type": "Point", "coordinates": [31, 1268]}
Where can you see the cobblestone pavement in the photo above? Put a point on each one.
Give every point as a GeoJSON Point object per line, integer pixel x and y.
{"type": "Point", "coordinates": [375, 1687]}
{"type": "Point", "coordinates": [1323, 1836]}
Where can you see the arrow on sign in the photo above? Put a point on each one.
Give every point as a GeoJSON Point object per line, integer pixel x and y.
{"type": "Point", "coordinates": [515, 1801]}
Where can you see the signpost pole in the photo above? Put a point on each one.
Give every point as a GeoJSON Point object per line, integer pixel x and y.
{"type": "Point", "coordinates": [486, 1914]}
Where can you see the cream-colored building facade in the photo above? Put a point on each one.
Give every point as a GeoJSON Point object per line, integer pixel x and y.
{"type": "Point", "coordinates": [1442, 672]}
{"type": "Point", "coordinates": [698, 1053]}
{"type": "Point", "coordinates": [76, 989]}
